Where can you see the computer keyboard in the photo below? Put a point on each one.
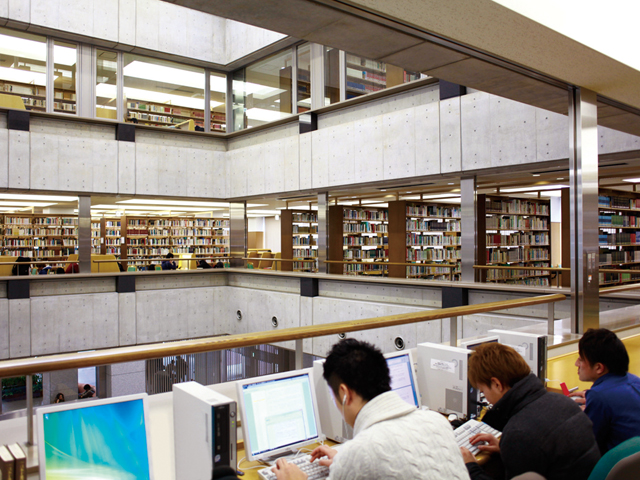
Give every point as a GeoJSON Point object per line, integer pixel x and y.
{"type": "Point", "coordinates": [464, 432]}
{"type": "Point", "coordinates": [314, 470]}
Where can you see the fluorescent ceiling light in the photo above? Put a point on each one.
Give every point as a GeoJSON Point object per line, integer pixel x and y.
{"type": "Point", "coordinates": [175, 202]}
{"type": "Point", "coordinates": [22, 47]}
{"type": "Point", "coordinates": [265, 115]}
{"type": "Point", "coordinates": [264, 212]}
{"type": "Point", "coordinates": [441, 195]}
{"type": "Point", "coordinates": [44, 198]}
{"type": "Point", "coordinates": [298, 207]}
{"type": "Point", "coordinates": [548, 193]}
{"type": "Point", "coordinates": [152, 207]}
{"type": "Point", "coordinates": [23, 76]}
{"type": "Point", "coordinates": [169, 99]}
{"type": "Point", "coordinates": [631, 180]}
{"type": "Point", "coordinates": [8, 209]}
{"type": "Point", "coordinates": [175, 76]}
{"type": "Point", "coordinates": [106, 90]}
{"type": "Point", "coordinates": [26, 204]}
{"type": "Point", "coordinates": [533, 189]}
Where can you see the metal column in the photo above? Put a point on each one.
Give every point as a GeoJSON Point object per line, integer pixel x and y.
{"type": "Point", "coordinates": [323, 232]}
{"type": "Point", "coordinates": [84, 233]}
{"type": "Point", "coordinates": [468, 228]}
{"type": "Point", "coordinates": [238, 232]}
{"type": "Point", "coordinates": [86, 81]}
{"type": "Point", "coordinates": [583, 159]}
{"type": "Point", "coordinates": [317, 76]}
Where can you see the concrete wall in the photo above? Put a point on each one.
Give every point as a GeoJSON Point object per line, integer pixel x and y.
{"type": "Point", "coordinates": [139, 26]}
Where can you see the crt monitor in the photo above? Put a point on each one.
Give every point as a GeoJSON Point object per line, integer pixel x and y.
{"type": "Point", "coordinates": [103, 438]}
{"type": "Point", "coordinates": [279, 413]}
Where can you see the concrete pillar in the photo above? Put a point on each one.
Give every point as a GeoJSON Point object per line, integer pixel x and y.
{"type": "Point", "coordinates": [323, 232]}
{"type": "Point", "coordinates": [125, 378]}
{"type": "Point", "coordinates": [468, 228]}
{"type": "Point", "coordinates": [60, 381]}
{"type": "Point", "coordinates": [84, 233]}
{"type": "Point", "coordinates": [238, 233]}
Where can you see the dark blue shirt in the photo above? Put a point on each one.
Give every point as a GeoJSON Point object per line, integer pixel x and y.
{"type": "Point", "coordinates": [613, 405]}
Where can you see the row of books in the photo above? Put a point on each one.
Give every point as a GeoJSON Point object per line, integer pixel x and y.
{"type": "Point", "coordinates": [70, 107]}
{"type": "Point", "coordinates": [516, 206]}
{"type": "Point", "coordinates": [379, 215]}
{"type": "Point", "coordinates": [514, 255]}
{"type": "Point", "coordinates": [362, 87]}
{"type": "Point", "coordinates": [305, 230]}
{"type": "Point", "coordinates": [365, 227]}
{"type": "Point", "coordinates": [305, 252]}
{"type": "Point", "coordinates": [517, 239]}
{"type": "Point", "coordinates": [433, 211]}
{"type": "Point", "coordinates": [39, 253]}
{"type": "Point", "coordinates": [619, 256]}
{"type": "Point", "coordinates": [13, 462]}
{"type": "Point", "coordinates": [517, 223]}
{"type": "Point", "coordinates": [363, 62]}
{"type": "Point", "coordinates": [374, 77]}
{"type": "Point", "coordinates": [514, 274]}
{"type": "Point", "coordinates": [623, 276]}
{"type": "Point", "coordinates": [618, 221]}
{"type": "Point", "coordinates": [617, 239]}
{"type": "Point", "coordinates": [435, 255]}
{"type": "Point", "coordinates": [429, 271]}
{"type": "Point", "coordinates": [356, 254]}
{"type": "Point", "coordinates": [305, 217]}
{"type": "Point", "coordinates": [304, 241]}
{"type": "Point", "coordinates": [605, 201]}
{"type": "Point", "coordinates": [351, 241]}
{"type": "Point", "coordinates": [351, 269]}
{"type": "Point", "coordinates": [417, 239]}
{"type": "Point", "coordinates": [433, 225]}
{"type": "Point", "coordinates": [530, 281]}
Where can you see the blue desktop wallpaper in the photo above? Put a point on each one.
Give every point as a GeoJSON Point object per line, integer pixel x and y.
{"type": "Point", "coordinates": [101, 442]}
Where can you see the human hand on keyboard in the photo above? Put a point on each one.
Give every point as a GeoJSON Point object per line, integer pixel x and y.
{"type": "Point", "coordinates": [288, 471]}
{"type": "Point", "coordinates": [323, 451]}
{"type": "Point", "coordinates": [485, 442]}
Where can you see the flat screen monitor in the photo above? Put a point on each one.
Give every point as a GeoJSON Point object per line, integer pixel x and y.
{"type": "Point", "coordinates": [476, 342]}
{"type": "Point", "coordinates": [279, 414]}
{"type": "Point", "coordinates": [403, 379]}
{"type": "Point", "coordinates": [105, 439]}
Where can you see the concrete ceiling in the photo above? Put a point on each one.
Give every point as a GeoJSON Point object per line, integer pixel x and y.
{"type": "Point", "coordinates": [477, 43]}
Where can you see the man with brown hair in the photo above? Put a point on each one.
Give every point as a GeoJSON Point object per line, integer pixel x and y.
{"type": "Point", "coordinates": [542, 432]}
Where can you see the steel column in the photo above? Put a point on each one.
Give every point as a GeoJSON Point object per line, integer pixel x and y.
{"type": "Point", "coordinates": [30, 410]}
{"type": "Point", "coordinates": [317, 76]}
{"type": "Point", "coordinates": [84, 233]}
{"type": "Point", "coordinates": [238, 233]}
{"type": "Point", "coordinates": [299, 354]}
{"type": "Point", "coordinates": [583, 168]}
{"type": "Point", "coordinates": [453, 331]}
{"type": "Point", "coordinates": [86, 81]}
{"type": "Point", "coordinates": [468, 228]}
{"type": "Point", "coordinates": [323, 232]}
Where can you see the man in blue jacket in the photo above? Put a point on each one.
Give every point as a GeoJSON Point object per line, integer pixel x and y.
{"type": "Point", "coordinates": [613, 402]}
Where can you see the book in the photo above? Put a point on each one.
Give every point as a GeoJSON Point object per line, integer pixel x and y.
{"type": "Point", "coordinates": [7, 464]}
{"type": "Point", "coordinates": [21, 461]}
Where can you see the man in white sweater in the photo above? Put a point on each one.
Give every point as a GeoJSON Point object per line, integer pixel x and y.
{"type": "Point", "coordinates": [392, 439]}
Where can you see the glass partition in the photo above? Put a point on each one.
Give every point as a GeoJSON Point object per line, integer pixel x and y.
{"type": "Point", "coordinates": [262, 91]}
{"type": "Point", "coordinates": [368, 76]}
{"type": "Point", "coordinates": [303, 100]}
{"type": "Point", "coordinates": [218, 88]}
{"type": "Point", "coordinates": [163, 94]}
{"type": "Point", "coordinates": [331, 75]}
{"type": "Point", "coordinates": [23, 70]}
{"type": "Point", "coordinates": [65, 59]}
{"type": "Point", "coordinates": [106, 84]}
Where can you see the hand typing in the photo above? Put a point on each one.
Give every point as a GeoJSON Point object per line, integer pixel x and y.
{"type": "Point", "coordinates": [323, 451]}
{"type": "Point", "coordinates": [287, 471]}
{"type": "Point", "coordinates": [490, 444]}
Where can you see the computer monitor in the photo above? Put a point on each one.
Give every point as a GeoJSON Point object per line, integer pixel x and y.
{"type": "Point", "coordinates": [476, 342]}
{"type": "Point", "coordinates": [279, 413]}
{"type": "Point", "coordinates": [403, 378]}
{"type": "Point", "coordinates": [103, 438]}
{"type": "Point", "coordinates": [443, 380]}
{"type": "Point", "coordinates": [532, 347]}
{"type": "Point", "coordinates": [403, 381]}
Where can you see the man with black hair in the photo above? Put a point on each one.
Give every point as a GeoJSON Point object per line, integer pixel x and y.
{"type": "Point", "coordinates": [613, 402]}
{"type": "Point", "coordinates": [392, 439]}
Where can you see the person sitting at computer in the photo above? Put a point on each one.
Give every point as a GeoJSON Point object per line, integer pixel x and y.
{"type": "Point", "coordinates": [169, 264]}
{"type": "Point", "coordinates": [613, 402]}
{"type": "Point", "coordinates": [542, 432]}
{"type": "Point", "coordinates": [392, 439]}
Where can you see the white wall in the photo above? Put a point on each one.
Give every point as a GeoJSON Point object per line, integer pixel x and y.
{"type": "Point", "coordinates": [272, 234]}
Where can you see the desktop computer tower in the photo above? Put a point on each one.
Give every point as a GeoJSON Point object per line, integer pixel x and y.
{"type": "Point", "coordinates": [205, 430]}
{"type": "Point", "coordinates": [532, 347]}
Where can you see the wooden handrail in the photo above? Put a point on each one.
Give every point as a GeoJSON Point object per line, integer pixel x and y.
{"type": "Point", "coordinates": [30, 366]}
{"type": "Point", "coordinates": [352, 262]}
{"type": "Point", "coordinates": [174, 259]}
{"type": "Point", "coordinates": [620, 288]}
{"type": "Point", "coordinates": [39, 262]}
{"type": "Point", "coordinates": [258, 259]}
{"type": "Point", "coordinates": [505, 267]}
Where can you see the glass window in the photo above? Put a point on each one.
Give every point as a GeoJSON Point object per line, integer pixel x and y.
{"type": "Point", "coordinates": [163, 94]}
{"type": "Point", "coordinates": [367, 76]}
{"type": "Point", "coordinates": [23, 70]}
{"type": "Point", "coordinates": [262, 91]}
{"type": "Point", "coordinates": [304, 78]}
{"type": "Point", "coordinates": [218, 87]}
{"type": "Point", "coordinates": [331, 75]}
{"type": "Point", "coordinates": [65, 58]}
{"type": "Point", "coordinates": [106, 84]}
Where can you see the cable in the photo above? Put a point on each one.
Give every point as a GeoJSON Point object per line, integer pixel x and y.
{"type": "Point", "coordinates": [248, 468]}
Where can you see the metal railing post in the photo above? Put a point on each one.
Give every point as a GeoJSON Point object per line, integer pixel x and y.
{"type": "Point", "coordinates": [453, 331]}
{"type": "Point", "coordinates": [551, 311]}
{"type": "Point", "coordinates": [299, 354]}
{"type": "Point", "coordinates": [29, 410]}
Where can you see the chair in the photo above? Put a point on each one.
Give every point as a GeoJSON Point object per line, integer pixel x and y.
{"type": "Point", "coordinates": [266, 263]}
{"type": "Point", "coordinates": [253, 263]}
{"type": "Point", "coordinates": [619, 463]}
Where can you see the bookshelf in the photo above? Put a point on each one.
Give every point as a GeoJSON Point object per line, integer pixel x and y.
{"type": "Point", "coordinates": [517, 233]}
{"type": "Point", "coordinates": [96, 232]}
{"type": "Point", "coordinates": [162, 114]}
{"type": "Point", "coordinates": [33, 96]}
{"type": "Point", "coordinates": [299, 239]}
{"type": "Point", "coordinates": [111, 233]}
{"type": "Point", "coordinates": [618, 237]}
{"type": "Point", "coordinates": [359, 234]}
{"type": "Point", "coordinates": [39, 236]}
{"type": "Point", "coordinates": [422, 232]}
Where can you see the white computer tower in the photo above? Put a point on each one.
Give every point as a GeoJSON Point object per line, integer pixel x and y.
{"type": "Point", "coordinates": [532, 347]}
{"type": "Point", "coordinates": [205, 430]}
